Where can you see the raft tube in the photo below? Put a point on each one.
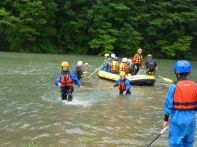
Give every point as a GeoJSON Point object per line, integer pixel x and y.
{"type": "Point", "coordinates": [140, 80]}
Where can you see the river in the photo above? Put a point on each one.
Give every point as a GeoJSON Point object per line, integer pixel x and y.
{"type": "Point", "coordinates": [32, 110]}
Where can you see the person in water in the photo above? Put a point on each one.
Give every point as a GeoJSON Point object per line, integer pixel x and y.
{"type": "Point", "coordinates": [123, 84]}
{"type": "Point", "coordinates": [180, 104]}
{"type": "Point", "coordinates": [78, 70]}
{"type": "Point", "coordinates": [65, 81]}
{"type": "Point", "coordinates": [150, 65]}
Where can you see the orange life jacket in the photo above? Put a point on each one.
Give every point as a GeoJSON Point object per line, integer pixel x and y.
{"type": "Point", "coordinates": [122, 86]}
{"type": "Point", "coordinates": [185, 95]}
{"type": "Point", "coordinates": [114, 66]}
{"type": "Point", "coordinates": [123, 67]}
{"type": "Point", "coordinates": [137, 59]}
{"type": "Point", "coordinates": [66, 81]}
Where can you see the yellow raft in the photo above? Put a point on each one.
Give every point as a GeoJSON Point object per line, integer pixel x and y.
{"type": "Point", "coordinates": [146, 80]}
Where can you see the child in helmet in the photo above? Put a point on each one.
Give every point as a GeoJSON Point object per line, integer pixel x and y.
{"type": "Point", "coordinates": [106, 64]}
{"type": "Point", "coordinates": [180, 104]}
{"type": "Point", "coordinates": [78, 70]}
{"type": "Point", "coordinates": [123, 65]}
{"type": "Point", "coordinates": [65, 81]}
{"type": "Point", "coordinates": [124, 84]}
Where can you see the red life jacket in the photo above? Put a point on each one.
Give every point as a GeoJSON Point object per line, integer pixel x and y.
{"type": "Point", "coordinates": [122, 86]}
{"type": "Point", "coordinates": [137, 59]}
{"type": "Point", "coordinates": [66, 81]}
{"type": "Point", "coordinates": [114, 66]}
{"type": "Point", "coordinates": [185, 95]}
{"type": "Point", "coordinates": [123, 67]}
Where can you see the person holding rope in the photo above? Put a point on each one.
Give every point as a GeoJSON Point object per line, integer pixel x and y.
{"type": "Point", "coordinates": [180, 104]}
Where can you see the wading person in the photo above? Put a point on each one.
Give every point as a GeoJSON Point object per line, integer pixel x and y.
{"type": "Point", "coordinates": [78, 70]}
{"type": "Point", "coordinates": [180, 104]}
{"type": "Point", "coordinates": [65, 80]}
{"type": "Point", "coordinates": [123, 84]}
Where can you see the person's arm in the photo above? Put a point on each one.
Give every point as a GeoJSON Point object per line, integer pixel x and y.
{"type": "Point", "coordinates": [58, 79]}
{"type": "Point", "coordinates": [117, 83]}
{"type": "Point", "coordinates": [168, 105]}
{"type": "Point", "coordinates": [75, 79]}
{"type": "Point", "coordinates": [128, 85]}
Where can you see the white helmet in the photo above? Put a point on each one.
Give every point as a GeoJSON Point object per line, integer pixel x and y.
{"type": "Point", "coordinates": [106, 55]}
{"type": "Point", "coordinates": [113, 56]}
{"type": "Point", "coordinates": [79, 63]}
{"type": "Point", "coordinates": [129, 60]}
{"type": "Point", "coordinates": [124, 60]}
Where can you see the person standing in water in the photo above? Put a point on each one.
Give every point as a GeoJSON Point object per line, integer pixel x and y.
{"type": "Point", "coordinates": [123, 84]}
{"type": "Point", "coordinates": [78, 70]}
{"type": "Point", "coordinates": [180, 104]}
{"type": "Point", "coordinates": [65, 80]}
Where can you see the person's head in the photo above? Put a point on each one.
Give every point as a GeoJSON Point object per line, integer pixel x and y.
{"type": "Point", "coordinates": [79, 63]}
{"type": "Point", "coordinates": [122, 75]}
{"type": "Point", "coordinates": [113, 56]}
{"type": "Point", "coordinates": [116, 58]}
{"type": "Point", "coordinates": [149, 56]}
{"type": "Point", "coordinates": [65, 65]}
{"type": "Point", "coordinates": [129, 61]}
{"type": "Point", "coordinates": [139, 51]}
{"type": "Point", "coordinates": [106, 56]}
{"type": "Point", "coordinates": [124, 60]}
{"type": "Point", "coordinates": [182, 69]}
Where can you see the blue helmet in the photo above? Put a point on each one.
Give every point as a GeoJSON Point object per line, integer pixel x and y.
{"type": "Point", "coordinates": [182, 66]}
{"type": "Point", "coordinates": [116, 58]}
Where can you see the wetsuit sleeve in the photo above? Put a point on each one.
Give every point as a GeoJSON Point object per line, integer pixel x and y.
{"type": "Point", "coordinates": [117, 83]}
{"type": "Point", "coordinates": [58, 79]}
{"type": "Point", "coordinates": [196, 98]}
{"type": "Point", "coordinates": [168, 105]}
{"type": "Point", "coordinates": [74, 78]}
{"type": "Point", "coordinates": [128, 85]}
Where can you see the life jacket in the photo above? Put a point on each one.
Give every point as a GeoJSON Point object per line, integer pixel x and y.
{"type": "Point", "coordinates": [114, 66]}
{"type": "Point", "coordinates": [66, 81]}
{"type": "Point", "coordinates": [123, 67]}
{"type": "Point", "coordinates": [122, 86]}
{"type": "Point", "coordinates": [137, 59]}
{"type": "Point", "coordinates": [185, 95]}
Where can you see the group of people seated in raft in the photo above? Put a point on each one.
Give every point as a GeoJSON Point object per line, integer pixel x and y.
{"type": "Point", "coordinates": [129, 66]}
{"type": "Point", "coordinates": [66, 78]}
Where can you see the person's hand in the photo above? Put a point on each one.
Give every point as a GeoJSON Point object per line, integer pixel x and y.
{"type": "Point", "coordinates": [59, 84]}
{"type": "Point", "coordinates": [165, 124]}
{"type": "Point", "coordinates": [124, 93]}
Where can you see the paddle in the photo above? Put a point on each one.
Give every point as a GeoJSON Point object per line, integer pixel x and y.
{"type": "Point", "coordinates": [166, 79]}
{"type": "Point", "coordinates": [161, 132]}
{"type": "Point", "coordinates": [95, 71]}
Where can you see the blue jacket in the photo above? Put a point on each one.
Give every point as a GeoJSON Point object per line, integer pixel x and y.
{"type": "Point", "coordinates": [106, 66]}
{"type": "Point", "coordinates": [72, 76]}
{"type": "Point", "coordinates": [127, 84]}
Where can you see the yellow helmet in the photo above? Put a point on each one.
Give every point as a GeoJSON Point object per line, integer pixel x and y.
{"type": "Point", "coordinates": [65, 64]}
{"type": "Point", "coordinates": [122, 74]}
{"type": "Point", "coordinates": [139, 49]}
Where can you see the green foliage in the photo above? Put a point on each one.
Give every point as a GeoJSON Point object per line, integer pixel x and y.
{"type": "Point", "coordinates": [164, 28]}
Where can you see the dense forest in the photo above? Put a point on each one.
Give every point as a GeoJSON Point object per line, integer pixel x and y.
{"type": "Point", "coordinates": [165, 28]}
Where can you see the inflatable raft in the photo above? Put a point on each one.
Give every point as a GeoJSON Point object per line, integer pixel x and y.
{"type": "Point", "coordinates": [141, 80]}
